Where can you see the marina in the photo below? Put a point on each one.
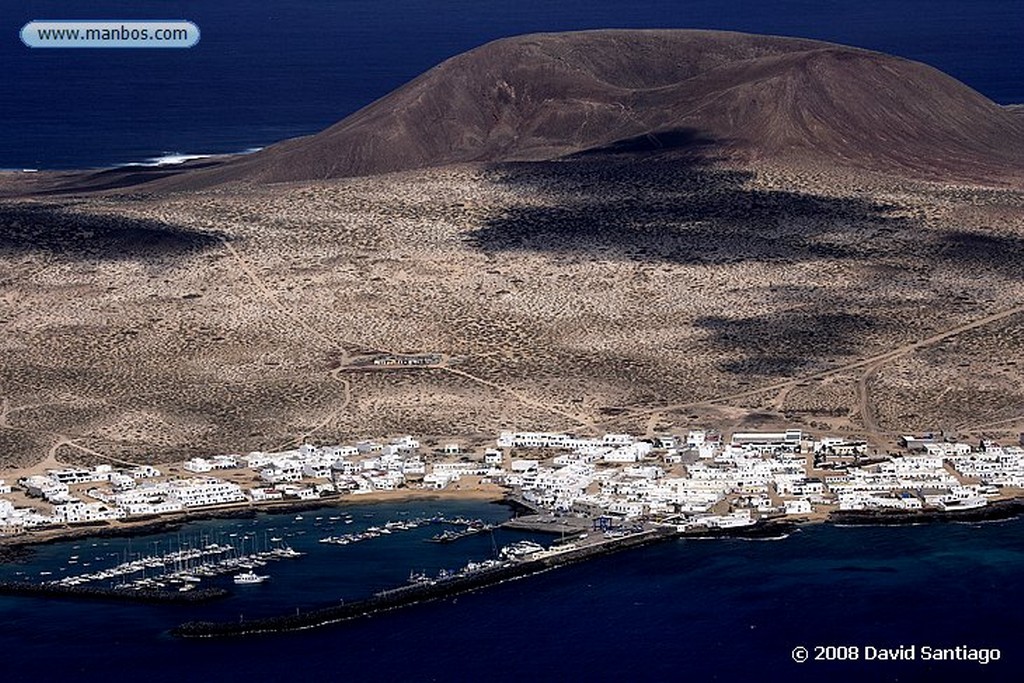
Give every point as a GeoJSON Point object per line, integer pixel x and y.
{"type": "Point", "coordinates": [408, 584]}
{"type": "Point", "coordinates": [372, 532]}
{"type": "Point", "coordinates": [223, 555]}
{"type": "Point", "coordinates": [472, 576]}
{"type": "Point", "coordinates": [180, 568]}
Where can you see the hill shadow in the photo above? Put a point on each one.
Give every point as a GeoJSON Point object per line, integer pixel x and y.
{"type": "Point", "coordinates": [981, 251]}
{"type": "Point", "coordinates": [60, 230]}
{"type": "Point", "coordinates": [123, 177]}
{"type": "Point", "coordinates": [780, 344]}
{"type": "Point", "coordinates": [671, 208]}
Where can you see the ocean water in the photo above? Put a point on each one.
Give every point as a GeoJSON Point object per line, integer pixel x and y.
{"type": "Point", "coordinates": [709, 610]}
{"type": "Point", "coordinates": [266, 70]}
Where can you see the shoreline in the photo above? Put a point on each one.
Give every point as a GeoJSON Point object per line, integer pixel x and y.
{"type": "Point", "coordinates": [408, 595]}
{"type": "Point", "coordinates": [996, 510]}
{"type": "Point", "coordinates": [775, 528]}
{"type": "Point", "coordinates": [156, 160]}
{"type": "Point", "coordinates": [13, 548]}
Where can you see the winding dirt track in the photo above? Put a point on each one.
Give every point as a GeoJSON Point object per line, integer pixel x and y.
{"type": "Point", "coordinates": [268, 294]}
{"type": "Point", "coordinates": [333, 343]}
{"type": "Point", "coordinates": [330, 417]}
{"type": "Point", "coordinates": [522, 399]}
{"type": "Point", "coordinates": [864, 406]}
{"type": "Point", "coordinates": [870, 366]}
{"type": "Point", "coordinates": [71, 444]}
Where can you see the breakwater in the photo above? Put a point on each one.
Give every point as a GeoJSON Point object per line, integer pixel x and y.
{"type": "Point", "coordinates": [51, 590]}
{"type": "Point", "coordinates": [404, 596]}
{"type": "Point", "coordinates": [548, 524]}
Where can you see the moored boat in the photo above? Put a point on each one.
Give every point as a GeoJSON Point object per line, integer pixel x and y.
{"type": "Point", "coordinates": [250, 578]}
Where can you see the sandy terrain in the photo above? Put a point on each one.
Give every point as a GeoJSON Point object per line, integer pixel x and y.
{"type": "Point", "coordinates": [644, 296]}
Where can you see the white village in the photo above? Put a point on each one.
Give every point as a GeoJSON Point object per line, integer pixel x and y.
{"type": "Point", "coordinates": [694, 480]}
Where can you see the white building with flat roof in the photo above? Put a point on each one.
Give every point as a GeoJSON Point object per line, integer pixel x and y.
{"type": "Point", "coordinates": [79, 512]}
{"type": "Point", "coordinates": [42, 486]}
{"type": "Point", "coordinates": [203, 491]}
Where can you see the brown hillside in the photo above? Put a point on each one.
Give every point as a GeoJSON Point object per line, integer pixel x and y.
{"type": "Point", "coordinates": [740, 96]}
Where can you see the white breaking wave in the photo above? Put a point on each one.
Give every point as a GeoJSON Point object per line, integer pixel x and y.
{"type": "Point", "coordinates": [175, 158]}
{"type": "Point", "coordinates": [170, 159]}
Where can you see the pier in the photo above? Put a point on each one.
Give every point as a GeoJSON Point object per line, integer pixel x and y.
{"type": "Point", "coordinates": [548, 524]}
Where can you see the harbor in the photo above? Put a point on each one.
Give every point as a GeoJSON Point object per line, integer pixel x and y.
{"type": "Point", "coordinates": [681, 580]}
{"type": "Point", "coordinates": [399, 584]}
{"type": "Point", "coordinates": [178, 570]}
{"type": "Point", "coordinates": [565, 500]}
{"type": "Point", "coordinates": [514, 561]}
{"type": "Point", "coordinates": [473, 576]}
{"type": "Point", "coordinates": [221, 557]}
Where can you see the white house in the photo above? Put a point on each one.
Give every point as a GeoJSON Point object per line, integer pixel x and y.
{"type": "Point", "coordinates": [198, 465]}
{"type": "Point", "coordinates": [798, 507]}
{"type": "Point", "coordinates": [77, 512]}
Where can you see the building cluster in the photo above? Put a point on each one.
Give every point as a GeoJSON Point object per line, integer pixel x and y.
{"type": "Point", "coordinates": [310, 471]}
{"type": "Point", "coordinates": [66, 506]}
{"type": "Point", "coordinates": [102, 493]}
{"type": "Point", "coordinates": [703, 480]}
{"type": "Point", "coordinates": [425, 359]}
{"type": "Point", "coordinates": [698, 478]}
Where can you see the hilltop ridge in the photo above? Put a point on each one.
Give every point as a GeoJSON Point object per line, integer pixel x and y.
{"type": "Point", "coordinates": [706, 94]}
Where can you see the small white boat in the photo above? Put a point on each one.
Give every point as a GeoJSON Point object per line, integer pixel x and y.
{"type": "Point", "coordinates": [249, 578]}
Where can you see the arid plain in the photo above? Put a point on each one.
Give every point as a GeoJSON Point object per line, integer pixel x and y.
{"type": "Point", "coordinates": [641, 294]}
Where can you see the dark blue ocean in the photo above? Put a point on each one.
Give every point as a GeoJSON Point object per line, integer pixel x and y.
{"type": "Point", "coordinates": [266, 70]}
{"type": "Point", "coordinates": [708, 610]}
